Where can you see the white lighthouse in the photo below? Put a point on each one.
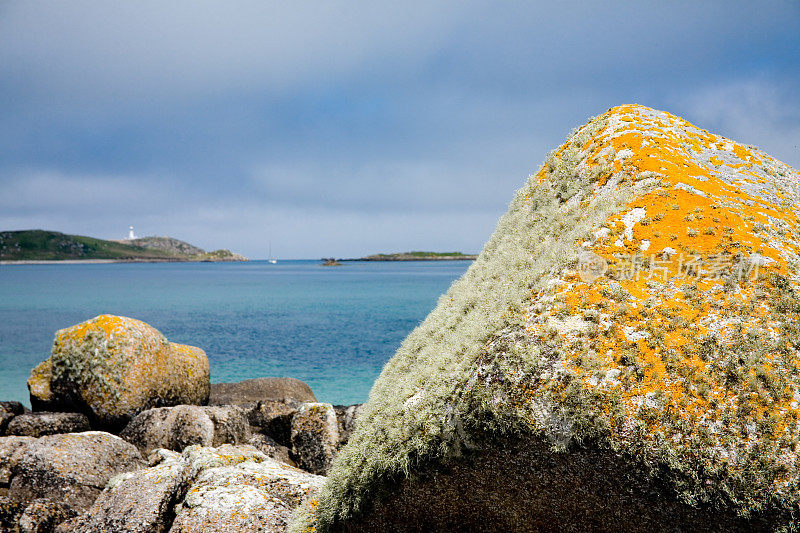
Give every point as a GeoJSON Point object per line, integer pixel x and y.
{"type": "Point", "coordinates": [131, 236]}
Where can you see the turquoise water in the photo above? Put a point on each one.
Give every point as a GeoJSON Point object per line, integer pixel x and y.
{"type": "Point", "coordinates": [332, 327]}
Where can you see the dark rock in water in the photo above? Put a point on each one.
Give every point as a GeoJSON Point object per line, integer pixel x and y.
{"type": "Point", "coordinates": [10, 450]}
{"type": "Point", "coordinates": [251, 391]}
{"type": "Point", "coordinates": [113, 367]}
{"type": "Point", "coordinates": [315, 437]}
{"type": "Point", "coordinates": [9, 410]}
{"type": "Point", "coordinates": [175, 428]}
{"type": "Point", "coordinates": [622, 356]}
{"type": "Point", "coordinates": [203, 490]}
{"type": "Point", "coordinates": [10, 511]}
{"type": "Point", "coordinates": [71, 468]}
{"type": "Point", "coordinates": [42, 423]}
{"type": "Point", "coordinates": [44, 515]}
{"type": "Point", "coordinates": [274, 418]}
{"type": "Point", "coordinates": [346, 416]}
{"type": "Point", "coordinates": [271, 448]}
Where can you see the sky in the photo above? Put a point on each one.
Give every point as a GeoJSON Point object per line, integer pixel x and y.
{"type": "Point", "coordinates": [349, 128]}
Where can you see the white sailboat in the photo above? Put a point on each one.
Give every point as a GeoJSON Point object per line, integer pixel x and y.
{"type": "Point", "coordinates": [270, 259]}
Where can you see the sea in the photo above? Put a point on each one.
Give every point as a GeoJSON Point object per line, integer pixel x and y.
{"type": "Point", "coordinates": [332, 327]}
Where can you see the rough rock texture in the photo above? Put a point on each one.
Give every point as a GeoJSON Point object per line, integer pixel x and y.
{"type": "Point", "coordinates": [9, 410]}
{"type": "Point", "coordinates": [112, 368]}
{"type": "Point", "coordinates": [39, 424]}
{"type": "Point", "coordinates": [175, 428]}
{"type": "Point", "coordinates": [226, 489]}
{"type": "Point", "coordinates": [623, 354]}
{"type": "Point", "coordinates": [141, 501]}
{"type": "Point", "coordinates": [346, 416]}
{"type": "Point", "coordinates": [271, 448]}
{"type": "Point", "coordinates": [10, 449]}
{"type": "Point", "coordinates": [243, 491]}
{"type": "Point", "coordinates": [43, 515]}
{"type": "Point", "coordinates": [274, 418]}
{"type": "Point", "coordinates": [72, 468]}
{"type": "Point", "coordinates": [10, 511]}
{"type": "Point", "coordinates": [315, 437]}
{"type": "Point", "coordinates": [251, 391]}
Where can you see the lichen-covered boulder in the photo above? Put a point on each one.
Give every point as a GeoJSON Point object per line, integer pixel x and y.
{"type": "Point", "coordinates": [175, 428]}
{"type": "Point", "coordinates": [113, 367]}
{"type": "Point", "coordinates": [315, 437]}
{"type": "Point", "coordinates": [271, 448]}
{"type": "Point", "coordinates": [346, 416]}
{"type": "Point", "coordinates": [251, 391]}
{"type": "Point", "coordinates": [274, 418]}
{"type": "Point", "coordinates": [10, 449]}
{"type": "Point", "coordinates": [622, 356]}
{"type": "Point", "coordinates": [237, 490]}
{"type": "Point", "coordinates": [72, 468]}
{"type": "Point", "coordinates": [43, 516]}
{"type": "Point", "coordinates": [225, 489]}
{"type": "Point", "coordinates": [139, 502]}
{"type": "Point", "coordinates": [38, 424]}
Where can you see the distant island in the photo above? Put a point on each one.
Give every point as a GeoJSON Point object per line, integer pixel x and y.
{"type": "Point", "coordinates": [418, 256]}
{"type": "Point", "coordinates": [41, 245]}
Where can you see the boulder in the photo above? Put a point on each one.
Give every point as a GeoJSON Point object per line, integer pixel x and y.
{"type": "Point", "coordinates": [226, 489]}
{"type": "Point", "coordinates": [315, 437]}
{"type": "Point", "coordinates": [622, 356]}
{"type": "Point", "coordinates": [251, 391]}
{"type": "Point", "coordinates": [10, 449]}
{"type": "Point", "coordinates": [141, 501]}
{"type": "Point", "coordinates": [271, 448]}
{"type": "Point", "coordinates": [241, 491]}
{"type": "Point", "coordinates": [9, 410]}
{"type": "Point", "coordinates": [72, 468]}
{"type": "Point", "coordinates": [10, 511]}
{"type": "Point", "coordinates": [42, 423]}
{"type": "Point", "coordinates": [346, 416]}
{"type": "Point", "coordinates": [43, 516]}
{"type": "Point", "coordinates": [274, 418]}
{"type": "Point", "coordinates": [175, 428]}
{"type": "Point", "coordinates": [113, 367]}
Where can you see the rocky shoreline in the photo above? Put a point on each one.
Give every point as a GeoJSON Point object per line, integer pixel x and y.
{"type": "Point", "coordinates": [159, 455]}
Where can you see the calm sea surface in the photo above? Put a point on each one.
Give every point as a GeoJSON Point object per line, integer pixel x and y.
{"type": "Point", "coordinates": [332, 327]}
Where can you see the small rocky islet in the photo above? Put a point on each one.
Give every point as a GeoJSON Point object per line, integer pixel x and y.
{"type": "Point", "coordinates": [621, 356]}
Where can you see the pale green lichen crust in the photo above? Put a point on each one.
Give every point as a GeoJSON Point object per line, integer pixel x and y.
{"type": "Point", "coordinates": [683, 354]}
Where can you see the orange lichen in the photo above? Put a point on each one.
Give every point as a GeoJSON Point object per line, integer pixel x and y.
{"type": "Point", "coordinates": [693, 256]}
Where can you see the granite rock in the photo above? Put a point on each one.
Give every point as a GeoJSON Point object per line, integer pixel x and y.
{"type": "Point", "coordinates": [38, 424]}
{"type": "Point", "coordinates": [44, 515]}
{"type": "Point", "coordinates": [252, 391]}
{"type": "Point", "coordinates": [72, 468]}
{"type": "Point", "coordinates": [622, 356]}
{"type": "Point", "coordinates": [8, 410]}
{"type": "Point", "coordinates": [315, 437]}
{"type": "Point", "coordinates": [175, 428]}
{"type": "Point", "coordinates": [112, 368]}
{"type": "Point", "coordinates": [274, 418]}
{"type": "Point", "coordinates": [10, 449]}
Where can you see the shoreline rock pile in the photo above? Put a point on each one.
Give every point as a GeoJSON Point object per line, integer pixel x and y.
{"type": "Point", "coordinates": [177, 464]}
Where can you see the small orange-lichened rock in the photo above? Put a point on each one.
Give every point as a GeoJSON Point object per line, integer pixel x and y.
{"type": "Point", "coordinates": [113, 367]}
{"type": "Point", "coordinates": [624, 354]}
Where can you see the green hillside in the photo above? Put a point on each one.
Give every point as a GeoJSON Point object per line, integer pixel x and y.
{"type": "Point", "coordinates": [418, 256]}
{"type": "Point", "coordinates": [40, 245]}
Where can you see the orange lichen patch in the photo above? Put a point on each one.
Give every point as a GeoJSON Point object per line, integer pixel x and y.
{"type": "Point", "coordinates": [684, 333]}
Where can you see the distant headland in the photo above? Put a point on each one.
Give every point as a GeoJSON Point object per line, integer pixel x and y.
{"type": "Point", "coordinates": [418, 256]}
{"type": "Point", "coordinates": [40, 245]}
